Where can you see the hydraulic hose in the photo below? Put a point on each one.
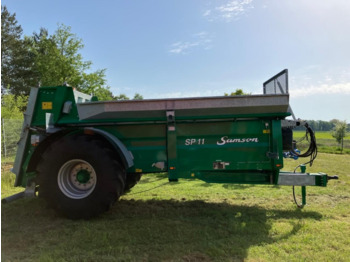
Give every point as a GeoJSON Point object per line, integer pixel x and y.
{"type": "Point", "coordinates": [312, 150]}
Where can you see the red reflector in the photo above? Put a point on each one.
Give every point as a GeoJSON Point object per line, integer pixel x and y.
{"type": "Point", "coordinates": [88, 132]}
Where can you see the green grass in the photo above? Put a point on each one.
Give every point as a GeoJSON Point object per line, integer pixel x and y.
{"type": "Point", "coordinates": [319, 135]}
{"type": "Point", "coordinates": [190, 221]}
{"type": "Point", "coordinates": [325, 142]}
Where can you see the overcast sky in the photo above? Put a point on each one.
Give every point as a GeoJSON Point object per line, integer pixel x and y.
{"type": "Point", "coordinates": [180, 48]}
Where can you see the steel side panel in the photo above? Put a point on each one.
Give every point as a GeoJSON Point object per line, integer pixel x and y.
{"type": "Point", "coordinates": [199, 145]}
{"type": "Point", "coordinates": [291, 179]}
{"type": "Point", "coordinates": [185, 107]}
{"type": "Point", "coordinates": [147, 143]}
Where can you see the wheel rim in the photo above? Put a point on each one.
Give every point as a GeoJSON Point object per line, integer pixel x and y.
{"type": "Point", "coordinates": [77, 179]}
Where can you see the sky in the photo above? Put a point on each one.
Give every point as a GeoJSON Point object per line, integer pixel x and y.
{"type": "Point", "coordinates": [186, 48]}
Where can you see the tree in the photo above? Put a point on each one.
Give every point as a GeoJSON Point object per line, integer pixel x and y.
{"type": "Point", "coordinates": [238, 92]}
{"type": "Point", "coordinates": [325, 126]}
{"type": "Point", "coordinates": [50, 60]}
{"type": "Point", "coordinates": [16, 60]}
{"type": "Point", "coordinates": [137, 96]}
{"type": "Point", "coordinates": [12, 106]}
{"type": "Point", "coordinates": [95, 83]}
{"type": "Point", "coordinates": [339, 132]}
{"type": "Point", "coordinates": [58, 61]}
{"type": "Point", "coordinates": [103, 94]}
{"type": "Point", "coordinates": [121, 97]}
{"type": "Point", "coordinates": [47, 60]}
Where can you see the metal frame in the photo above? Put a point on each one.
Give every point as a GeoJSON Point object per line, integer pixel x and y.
{"type": "Point", "coordinates": [283, 72]}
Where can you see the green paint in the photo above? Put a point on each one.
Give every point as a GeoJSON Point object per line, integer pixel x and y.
{"type": "Point", "coordinates": [220, 148]}
{"type": "Point", "coordinates": [83, 176]}
{"type": "Point", "coordinates": [303, 195]}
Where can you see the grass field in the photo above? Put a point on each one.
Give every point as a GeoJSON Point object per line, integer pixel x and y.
{"type": "Point", "coordinates": [190, 221]}
{"type": "Point", "coordinates": [325, 142]}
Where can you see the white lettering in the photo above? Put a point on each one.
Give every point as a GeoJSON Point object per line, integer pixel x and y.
{"type": "Point", "coordinates": [225, 140]}
{"type": "Point", "coordinates": [193, 141]}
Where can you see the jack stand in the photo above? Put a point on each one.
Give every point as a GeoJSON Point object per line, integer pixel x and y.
{"type": "Point", "coordinates": [303, 196]}
{"type": "Point", "coordinates": [303, 188]}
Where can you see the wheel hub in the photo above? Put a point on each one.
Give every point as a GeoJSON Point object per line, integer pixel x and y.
{"type": "Point", "coordinates": [83, 176]}
{"type": "Point", "coordinates": [77, 179]}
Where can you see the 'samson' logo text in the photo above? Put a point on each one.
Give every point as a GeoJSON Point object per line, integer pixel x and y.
{"type": "Point", "coordinates": [225, 140]}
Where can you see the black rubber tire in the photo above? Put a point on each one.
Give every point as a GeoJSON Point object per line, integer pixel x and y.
{"type": "Point", "coordinates": [108, 186]}
{"type": "Point", "coordinates": [131, 180]}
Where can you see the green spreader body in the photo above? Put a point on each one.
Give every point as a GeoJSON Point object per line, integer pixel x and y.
{"type": "Point", "coordinates": [235, 139]}
{"type": "Point", "coordinates": [229, 139]}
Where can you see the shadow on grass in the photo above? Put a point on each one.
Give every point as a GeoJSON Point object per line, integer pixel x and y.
{"type": "Point", "coordinates": [152, 230]}
{"type": "Point", "coordinates": [154, 178]}
{"type": "Point", "coordinates": [237, 186]}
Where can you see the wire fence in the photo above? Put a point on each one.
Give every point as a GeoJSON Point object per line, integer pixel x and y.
{"type": "Point", "coordinates": [10, 134]}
